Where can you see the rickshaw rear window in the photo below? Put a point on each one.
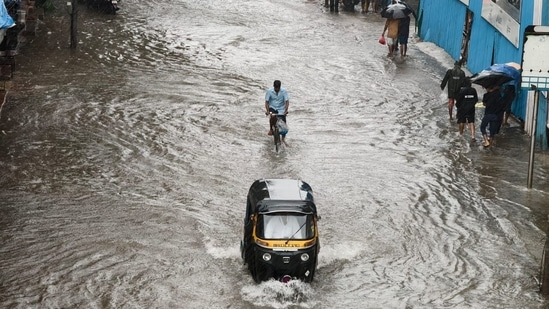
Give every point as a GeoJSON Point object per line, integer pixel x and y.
{"type": "Point", "coordinates": [285, 226]}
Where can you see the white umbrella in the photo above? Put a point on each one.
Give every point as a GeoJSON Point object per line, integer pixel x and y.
{"type": "Point", "coordinates": [396, 11]}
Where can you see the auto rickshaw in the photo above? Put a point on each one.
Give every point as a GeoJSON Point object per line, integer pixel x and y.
{"type": "Point", "coordinates": [280, 231]}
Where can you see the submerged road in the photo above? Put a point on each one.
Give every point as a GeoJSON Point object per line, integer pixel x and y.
{"type": "Point", "coordinates": [126, 163]}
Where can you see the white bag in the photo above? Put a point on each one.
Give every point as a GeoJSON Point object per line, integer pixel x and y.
{"type": "Point", "coordinates": [282, 126]}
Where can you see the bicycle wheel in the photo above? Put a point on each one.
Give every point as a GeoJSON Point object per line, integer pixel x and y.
{"type": "Point", "coordinates": [276, 135]}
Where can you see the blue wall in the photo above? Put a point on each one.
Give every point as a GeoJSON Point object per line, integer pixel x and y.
{"type": "Point", "coordinates": [436, 27]}
{"type": "Point", "coordinates": [545, 13]}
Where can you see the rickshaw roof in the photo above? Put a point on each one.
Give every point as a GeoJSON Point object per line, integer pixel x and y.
{"type": "Point", "coordinates": [282, 195]}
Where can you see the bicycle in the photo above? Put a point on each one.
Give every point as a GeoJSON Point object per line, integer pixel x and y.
{"type": "Point", "coordinates": [275, 128]}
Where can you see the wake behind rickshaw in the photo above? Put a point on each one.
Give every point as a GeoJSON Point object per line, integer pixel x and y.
{"type": "Point", "coordinates": [280, 231]}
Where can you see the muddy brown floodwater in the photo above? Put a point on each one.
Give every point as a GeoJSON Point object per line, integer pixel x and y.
{"type": "Point", "coordinates": [125, 166]}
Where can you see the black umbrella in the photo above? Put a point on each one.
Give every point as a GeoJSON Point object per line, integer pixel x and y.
{"type": "Point", "coordinates": [496, 75]}
{"type": "Point", "coordinates": [490, 79]}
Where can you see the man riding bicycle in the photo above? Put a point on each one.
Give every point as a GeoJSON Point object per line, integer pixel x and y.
{"type": "Point", "coordinates": [277, 102]}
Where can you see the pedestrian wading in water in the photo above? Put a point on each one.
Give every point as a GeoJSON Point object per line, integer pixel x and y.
{"type": "Point", "coordinates": [466, 100]}
{"type": "Point", "coordinates": [454, 79]}
{"type": "Point", "coordinates": [493, 115]}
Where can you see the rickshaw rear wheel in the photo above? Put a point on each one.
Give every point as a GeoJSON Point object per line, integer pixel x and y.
{"type": "Point", "coordinates": [250, 260]}
{"type": "Point", "coordinates": [259, 271]}
{"type": "Point", "coordinates": [263, 272]}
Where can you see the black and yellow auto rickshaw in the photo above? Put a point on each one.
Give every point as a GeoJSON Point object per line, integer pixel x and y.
{"type": "Point", "coordinates": [280, 231]}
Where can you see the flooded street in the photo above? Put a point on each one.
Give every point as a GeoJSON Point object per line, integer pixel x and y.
{"type": "Point", "coordinates": [125, 166]}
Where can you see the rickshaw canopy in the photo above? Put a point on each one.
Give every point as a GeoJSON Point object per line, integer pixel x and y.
{"type": "Point", "coordinates": [270, 195]}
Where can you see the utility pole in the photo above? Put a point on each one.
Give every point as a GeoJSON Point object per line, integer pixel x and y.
{"type": "Point", "coordinates": [74, 19]}
{"type": "Point", "coordinates": [533, 138]}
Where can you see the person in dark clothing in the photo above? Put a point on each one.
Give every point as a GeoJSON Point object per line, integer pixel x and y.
{"type": "Point", "coordinates": [466, 100]}
{"type": "Point", "coordinates": [404, 28]}
{"type": "Point", "coordinates": [509, 95]}
{"type": "Point", "coordinates": [403, 34]}
{"type": "Point", "coordinates": [492, 114]}
{"type": "Point", "coordinates": [454, 78]}
{"type": "Point", "coordinates": [334, 5]}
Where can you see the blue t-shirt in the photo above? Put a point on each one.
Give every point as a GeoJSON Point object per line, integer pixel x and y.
{"type": "Point", "coordinates": [278, 102]}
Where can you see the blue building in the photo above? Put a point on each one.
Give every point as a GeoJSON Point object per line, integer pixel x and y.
{"type": "Point", "coordinates": [485, 32]}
